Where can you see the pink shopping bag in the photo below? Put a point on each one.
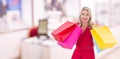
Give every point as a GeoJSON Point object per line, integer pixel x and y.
{"type": "Point", "coordinates": [71, 39]}
{"type": "Point", "coordinates": [63, 31]}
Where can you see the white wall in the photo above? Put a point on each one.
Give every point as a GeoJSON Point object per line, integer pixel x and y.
{"type": "Point", "coordinates": [27, 11]}
{"type": "Point", "coordinates": [10, 44]}
{"type": "Point", "coordinates": [39, 10]}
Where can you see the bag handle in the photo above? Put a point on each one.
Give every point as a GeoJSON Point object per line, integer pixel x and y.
{"type": "Point", "coordinates": [94, 25]}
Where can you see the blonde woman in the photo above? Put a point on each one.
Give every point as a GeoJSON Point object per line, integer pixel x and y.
{"type": "Point", "coordinates": [84, 47]}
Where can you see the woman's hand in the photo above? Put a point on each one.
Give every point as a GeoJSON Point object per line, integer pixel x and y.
{"type": "Point", "coordinates": [94, 24]}
{"type": "Point", "coordinates": [74, 20]}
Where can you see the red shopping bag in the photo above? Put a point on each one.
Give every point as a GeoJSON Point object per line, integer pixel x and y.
{"type": "Point", "coordinates": [63, 31]}
{"type": "Point", "coordinates": [71, 39]}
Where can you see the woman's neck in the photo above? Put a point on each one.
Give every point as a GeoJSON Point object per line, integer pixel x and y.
{"type": "Point", "coordinates": [84, 24]}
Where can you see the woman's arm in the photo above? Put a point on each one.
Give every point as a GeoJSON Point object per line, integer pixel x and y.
{"type": "Point", "coordinates": [94, 24]}
{"type": "Point", "coordinates": [74, 20]}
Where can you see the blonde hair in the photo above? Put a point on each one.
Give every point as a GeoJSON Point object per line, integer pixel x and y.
{"type": "Point", "coordinates": [90, 15]}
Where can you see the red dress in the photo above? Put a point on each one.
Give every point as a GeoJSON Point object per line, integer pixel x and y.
{"type": "Point", "coordinates": [84, 47]}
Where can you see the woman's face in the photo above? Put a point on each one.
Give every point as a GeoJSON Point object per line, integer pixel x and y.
{"type": "Point", "coordinates": [85, 16]}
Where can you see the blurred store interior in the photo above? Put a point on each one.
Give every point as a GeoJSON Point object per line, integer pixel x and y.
{"type": "Point", "coordinates": [23, 21]}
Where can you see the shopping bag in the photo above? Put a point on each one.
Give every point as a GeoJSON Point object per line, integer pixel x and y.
{"type": "Point", "coordinates": [96, 47]}
{"type": "Point", "coordinates": [103, 37]}
{"type": "Point", "coordinates": [71, 39]}
{"type": "Point", "coordinates": [63, 31]}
